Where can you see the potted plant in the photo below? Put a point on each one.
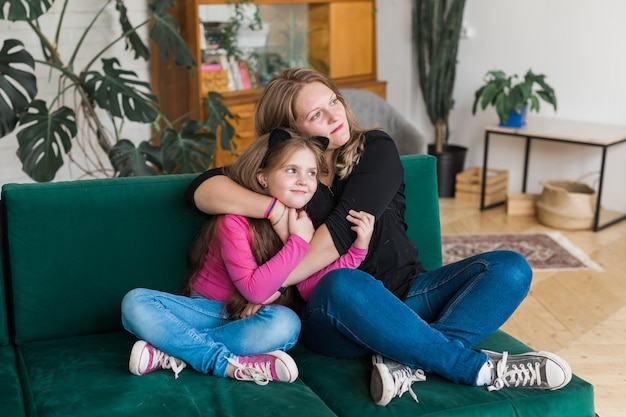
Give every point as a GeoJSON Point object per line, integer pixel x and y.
{"type": "Point", "coordinates": [511, 98]}
{"type": "Point", "coordinates": [437, 31]}
{"type": "Point", "coordinates": [93, 102]}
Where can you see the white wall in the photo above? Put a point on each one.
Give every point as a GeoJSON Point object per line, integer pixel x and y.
{"type": "Point", "coordinates": [77, 17]}
{"type": "Point", "coordinates": [579, 44]}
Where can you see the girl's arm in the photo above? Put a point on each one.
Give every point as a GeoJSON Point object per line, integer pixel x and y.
{"type": "Point", "coordinates": [255, 282]}
{"type": "Point", "coordinates": [352, 259]}
{"type": "Point", "coordinates": [322, 252]}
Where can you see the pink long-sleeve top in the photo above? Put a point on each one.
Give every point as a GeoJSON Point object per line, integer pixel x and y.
{"type": "Point", "coordinates": [230, 263]}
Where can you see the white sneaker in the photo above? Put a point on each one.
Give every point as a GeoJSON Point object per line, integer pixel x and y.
{"type": "Point", "coordinates": [391, 379]}
{"type": "Point", "coordinates": [145, 358]}
{"type": "Point", "coordinates": [539, 370]}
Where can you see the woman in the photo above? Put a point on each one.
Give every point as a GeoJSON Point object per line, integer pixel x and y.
{"type": "Point", "coordinates": [391, 307]}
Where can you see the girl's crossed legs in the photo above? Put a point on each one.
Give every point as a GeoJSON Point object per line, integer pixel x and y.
{"type": "Point", "coordinates": [195, 329]}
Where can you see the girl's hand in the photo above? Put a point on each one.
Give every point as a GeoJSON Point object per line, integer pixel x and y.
{"type": "Point", "coordinates": [250, 310]}
{"type": "Point", "coordinates": [363, 226]}
{"type": "Point", "coordinates": [300, 224]}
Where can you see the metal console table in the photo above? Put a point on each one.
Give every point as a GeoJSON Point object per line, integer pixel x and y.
{"type": "Point", "coordinates": [564, 131]}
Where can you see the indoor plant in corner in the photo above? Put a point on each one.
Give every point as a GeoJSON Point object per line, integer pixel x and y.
{"type": "Point", "coordinates": [512, 98]}
{"type": "Point", "coordinates": [437, 31]}
{"type": "Point", "coordinates": [102, 97]}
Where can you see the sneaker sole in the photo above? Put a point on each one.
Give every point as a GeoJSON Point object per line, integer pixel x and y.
{"type": "Point", "coordinates": [135, 357]}
{"type": "Point", "coordinates": [567, 370]}
{"type": "Point", "coordinates": [288, 371]}
{"type": "Point", "coordinates": [379, 380]}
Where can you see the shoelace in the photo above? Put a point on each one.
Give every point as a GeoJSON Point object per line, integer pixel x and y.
{"type": "Point", "coordinates": [403, 378]}
{"type": "Point", "coordinates": [170, 362]}
{"type": "Point", "coordinates": [258, 372]}
{"type": "Point", "coordinates": [525, 375]}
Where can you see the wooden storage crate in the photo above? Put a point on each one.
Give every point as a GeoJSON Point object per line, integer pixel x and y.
{"type": "Point", "coordinates": [468, 185]}
{"type": "Point", "coordinates": [521, 204]}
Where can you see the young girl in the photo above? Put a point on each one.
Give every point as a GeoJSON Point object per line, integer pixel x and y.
{"type": "Point", "coordinates": [237, 260]}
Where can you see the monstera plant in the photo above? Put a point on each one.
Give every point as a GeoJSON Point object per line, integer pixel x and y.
{"type": "Point", "coordinates": [102, 96]}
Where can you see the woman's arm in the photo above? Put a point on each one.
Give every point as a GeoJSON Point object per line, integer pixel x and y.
{"type": "Point", "coordinates": [220, 195]}
{"type": "Point", "coordinates": [212, 192]}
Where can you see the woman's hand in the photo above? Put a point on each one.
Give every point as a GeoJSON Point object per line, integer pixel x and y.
{"type": "Point", "coordinates": [300, 224]}
{"type": "Point", "coordinates": [363, 226]}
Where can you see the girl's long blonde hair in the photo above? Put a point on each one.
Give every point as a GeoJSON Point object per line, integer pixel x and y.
{"type": "Point", "coordinates": [258, 156]}
{"type": "Point", "coordinates": [276, 107]}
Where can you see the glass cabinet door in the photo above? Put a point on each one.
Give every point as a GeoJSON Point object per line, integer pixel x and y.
{"type": "Point", "coordinates": [336, 38]}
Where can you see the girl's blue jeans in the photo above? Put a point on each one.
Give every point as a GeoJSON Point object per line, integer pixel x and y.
{"type": "Point", "coordinates": [196, 330]}
{"type": "Point", "coordinates": [448, 310]}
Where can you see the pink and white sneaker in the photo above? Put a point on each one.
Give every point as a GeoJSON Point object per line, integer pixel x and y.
{"type": "Point", "coordinates": [266, 367]}
{"type": "Point", "coordinates": [145, 358]}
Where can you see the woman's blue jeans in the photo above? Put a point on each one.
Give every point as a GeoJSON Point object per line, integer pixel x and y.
{"type": "Point", "coordinates": [448, 310]}
{"type": "Point", "coordinates": [196, 330]}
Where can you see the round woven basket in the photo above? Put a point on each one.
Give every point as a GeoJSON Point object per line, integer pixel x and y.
{"type": "Point", "coordinates": [567, 205]}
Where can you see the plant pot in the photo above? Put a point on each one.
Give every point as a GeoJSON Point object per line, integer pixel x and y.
{"type": "Point", "coordinates": [516, 119]}
{"type": "Point", "coordinates": [449, 163]}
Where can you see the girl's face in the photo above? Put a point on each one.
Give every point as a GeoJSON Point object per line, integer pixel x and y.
{"type": "Point", "coordinates": [293, 182]}
{"type": "Point", "coordinates": [320, 113]}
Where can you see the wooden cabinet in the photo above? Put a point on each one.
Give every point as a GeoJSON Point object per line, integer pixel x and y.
{"type": "Point", "coordinates": [341, 42]}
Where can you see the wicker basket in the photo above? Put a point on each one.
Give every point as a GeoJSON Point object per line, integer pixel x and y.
{"type": "Point", "coordinates": [567, 205]}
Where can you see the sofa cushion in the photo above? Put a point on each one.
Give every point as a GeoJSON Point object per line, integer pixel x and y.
{"type": "Point", "coordinates": [88, 376]}
{"type": "Point", "coordinates": [343, 384]}
{"type": "Point", "coordinates": [11, 399]}
{"type": "Point", "coordinates": [75, 248]}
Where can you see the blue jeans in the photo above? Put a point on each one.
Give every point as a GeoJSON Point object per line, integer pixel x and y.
{"type": "Point", "coordinates": [197, 331]}
{"type": "Point", "coordinates": [448, 310]}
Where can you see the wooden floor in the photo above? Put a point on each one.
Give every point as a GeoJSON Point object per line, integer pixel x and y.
{"type": "Point", "coordinates": [578, 314]}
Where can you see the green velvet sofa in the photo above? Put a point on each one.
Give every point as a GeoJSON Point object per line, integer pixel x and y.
{"type": "Point", "coordinates": [71, 250]}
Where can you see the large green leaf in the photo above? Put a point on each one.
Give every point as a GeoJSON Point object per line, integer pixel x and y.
{"type": "Point", "coordinates": [164, 32]}
{"type": "Point", "coordinates": [20, 10]}
{"type": "Point", "coordinates": [44, 138]}
{"type": "Point", "coordinates": [133, 40]}
{"type": "Point", "coordinates": [129, 160]}
{"type": "Point", "coordinates": [12, 56]}
{"type": "Point", "coordinates": [190, 150]}
{"type": "Point", "coordinates": [217, 119]}
{"type": "Point", "coordinates": [120, 92]}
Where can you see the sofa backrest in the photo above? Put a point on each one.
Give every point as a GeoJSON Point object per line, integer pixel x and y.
{"type": "Point", "coordinates": [4, 330]}
{"type": "Point", "coordinates": [422, 207]}
{"type": "Point", "coordinates": [75, 248]}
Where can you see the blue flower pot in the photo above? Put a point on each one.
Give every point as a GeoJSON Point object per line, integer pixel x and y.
{"type": "Point", "coordinates": [516, 119]}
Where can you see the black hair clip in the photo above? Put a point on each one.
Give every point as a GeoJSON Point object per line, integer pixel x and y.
{"type": "Point", "coordinates": [278, 135]}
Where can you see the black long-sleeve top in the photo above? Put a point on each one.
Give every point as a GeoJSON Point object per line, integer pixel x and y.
{"type": "Point", "coordinates": [376, 186]}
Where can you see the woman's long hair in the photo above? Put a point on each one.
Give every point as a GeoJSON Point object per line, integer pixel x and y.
{"type": "Point", "coordinates": [267, 243]}
{"type": "Point", "coordinates": [276, 107]}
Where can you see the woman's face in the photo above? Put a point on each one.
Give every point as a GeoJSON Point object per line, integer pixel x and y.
{"type": "Point", "coordinates": [294, 181]}
{"type": "Point", "coordinates": [320, 113]}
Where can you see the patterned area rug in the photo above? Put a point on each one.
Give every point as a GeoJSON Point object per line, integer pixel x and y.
{"type": "Point", "coordinates": [549, 250]}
